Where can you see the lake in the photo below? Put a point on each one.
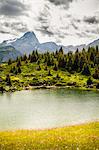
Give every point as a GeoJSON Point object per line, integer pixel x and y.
{"type": "Point", "coordinates": [47, 108]}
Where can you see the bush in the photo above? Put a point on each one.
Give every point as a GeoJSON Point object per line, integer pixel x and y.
{"type": "Point", "coordinates": [38, 68]}
{"type": "Point", "coordinates": [46, 68]}
{"type": "Point", "coordinates": [1, 89]}
{"type": "Point", "coordinates": [89, 81]}
{"type": "Point", "coordinates": [96, 74]}
{"type": "Point", "coordinates": [97, 86]}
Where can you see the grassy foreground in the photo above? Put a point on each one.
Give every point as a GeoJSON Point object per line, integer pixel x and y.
{"type": "Point", "coordinates": [79, 137]}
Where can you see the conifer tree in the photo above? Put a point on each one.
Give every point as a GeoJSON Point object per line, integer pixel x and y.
{"type": "Point", "coordinates": [8, 80]}
{"type": "Point", "coordinates": [18, 63]}
{"type": "Point", "coordinates": [19, 70]}
{"type": "Point", "coordinates": [55, 67]}
{"type": "Point", "coordinates": [86, 70]}
{"type": "Point", "coordinates": [89, 81]}
{"type": "Point", "coordinates": [9, 62]}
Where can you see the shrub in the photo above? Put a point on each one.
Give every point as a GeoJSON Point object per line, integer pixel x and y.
{"type": "Point", "coordinates": [96, 74]}
{"type": "Point", "coordinates": [97, 86]}
{"type": "Point", "coordinates": [49, 73]}
{"type": "Point", "coordinates": [89, 81]}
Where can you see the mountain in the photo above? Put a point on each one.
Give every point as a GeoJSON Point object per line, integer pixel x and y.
{"type": "Point", "coordinates": [94, 43]}
{"type": "Point", "coordinates": [29, 42]}
{"type": "Point", "coordinates": [8, 52]}
{"type": "Point", "coordinates": [73, 48]}
{"type": "Point", "coordinates": [48, 46]}
{"type": "Point", "coordinates": [18, 47]}
{"type": "Point", "coordinates": [26, 43]}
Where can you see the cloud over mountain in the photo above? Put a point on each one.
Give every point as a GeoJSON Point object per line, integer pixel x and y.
{"type": "Point", "coordinates": [61, 21]}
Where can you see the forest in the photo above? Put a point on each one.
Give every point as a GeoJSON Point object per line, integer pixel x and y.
{"type": "Point", "coordinates": [78, 69]}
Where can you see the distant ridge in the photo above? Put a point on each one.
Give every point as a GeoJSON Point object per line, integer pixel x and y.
{"type": "Point", "coordinates": [29, 42]}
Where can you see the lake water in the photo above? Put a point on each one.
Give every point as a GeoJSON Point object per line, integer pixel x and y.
{"type": "Point", "coordinates": [39, 109]}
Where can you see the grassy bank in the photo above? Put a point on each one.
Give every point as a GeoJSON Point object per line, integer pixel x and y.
{"type": "Point", "coordinates": [30, 78]}
{"type": "Point", "coordinates": [79, 137]}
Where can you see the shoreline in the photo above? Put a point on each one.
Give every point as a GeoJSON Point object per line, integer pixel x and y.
{"type": "Point", "coordinates": [11, 89]}
{"type": "Point", "coordinates": [52, 128]}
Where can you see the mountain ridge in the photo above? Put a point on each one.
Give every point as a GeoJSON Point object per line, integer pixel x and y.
{"type": "Point", "coordinates": [8, 52]}
{"type": "Point", "coordinates": [29, 42]}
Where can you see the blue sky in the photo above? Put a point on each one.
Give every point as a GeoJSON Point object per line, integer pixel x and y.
{"type": "Point", "coordinates": [62, 21]}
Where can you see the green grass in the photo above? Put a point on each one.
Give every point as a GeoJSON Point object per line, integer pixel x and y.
{"type": "Point", "coordinates": [78, 137]}
{"type": "Point", "coordinates": [31, 75]}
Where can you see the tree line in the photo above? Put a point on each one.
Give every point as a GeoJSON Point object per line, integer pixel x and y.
{"type": "Point", "coordinates": [74, 62]}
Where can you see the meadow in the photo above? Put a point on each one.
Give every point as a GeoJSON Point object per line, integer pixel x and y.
{"type": "Point", "coordinates": [77, 137]}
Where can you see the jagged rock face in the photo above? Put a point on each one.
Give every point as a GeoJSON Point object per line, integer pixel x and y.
{"type": "Point", "coordinates": [27, 43]}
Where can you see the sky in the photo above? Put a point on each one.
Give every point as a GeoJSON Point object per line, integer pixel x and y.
{"type": "Point", "coordinates": [62, 21]}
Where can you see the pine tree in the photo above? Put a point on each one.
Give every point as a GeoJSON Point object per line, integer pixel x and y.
{"type": "Point", "coordinates": [61, 50]}
{"type": "Point", "coordinates": [86, 70]}
{"type": "Point", "coordinates": [49, 73]}
{"type": "Point", "coordinates": [55, 67]}
{"type": "Point", "coordinates": [62, 62]}
{"type": "Point", "coordinates": [18, 63]}
{"type": "Point", "coordinates": [57, 76]}
{"type": "Point", "coordinates": [33, 57]}
{"type": "Point", "coordinates": [9, 62]}
{"type": "Point", "coordinates": [19, 70]}
{"type": "Point", "coordinates": [24, 57]}
{"type": "Point", "coordinates": [8, 80]}
{"type": "Point", "coordinates": [76, 62]}
{"type": "Point", "coordinates": [89, 81]}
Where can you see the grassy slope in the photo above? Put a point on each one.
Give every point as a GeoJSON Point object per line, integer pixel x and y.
{"type": "Point", "coordinates": [80, 137]}
{"type": "Point", "coordinates": [31, 75]}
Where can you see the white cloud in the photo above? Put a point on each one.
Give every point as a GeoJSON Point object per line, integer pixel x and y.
{"type": "Point", "coordinates": [82, 8]}
{"type": "Point", "coordinates": [52, 22]}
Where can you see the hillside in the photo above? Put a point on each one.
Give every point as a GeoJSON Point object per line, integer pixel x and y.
{"type": "Point", "coordinates": [73, 70]}
{"type": "Point", "coordinates": [8, 52]}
